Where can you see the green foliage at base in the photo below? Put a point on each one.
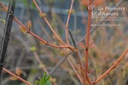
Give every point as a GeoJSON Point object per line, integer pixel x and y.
{"type": "Point", "coordinates": [44, 80]}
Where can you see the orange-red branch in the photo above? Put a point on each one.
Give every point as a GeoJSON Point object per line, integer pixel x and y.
{"type": "Point", "coordinates": [74, 70]}
{"type": "Point", "coordinates": [26, 82]}
{"type": "Point", "coordinates": [67, 23]}
{"type": "Point", "coordinates": [112, 67]}
{"type": "Point", "coordinates": [28, 31]}
{"type": "Point", "coordinates": [42, 15]}
{"type": "Point", "coordinates": [87, 43]}
{"type": "Point", "coordinates": [42, 40]}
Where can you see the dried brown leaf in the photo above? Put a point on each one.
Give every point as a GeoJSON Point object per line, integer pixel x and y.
{"type": "Point", "coordinates": [18, 71]}
{"type": "Point", "coordinates": [13, 78]}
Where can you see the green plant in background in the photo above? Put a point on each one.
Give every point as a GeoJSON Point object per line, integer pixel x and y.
{"type": "Point", "coordinates": [44, 80]}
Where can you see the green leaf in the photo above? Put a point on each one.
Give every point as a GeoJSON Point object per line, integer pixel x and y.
{"type": "Point", "coordinates": [48, 83]}
{"type": "Point", "coordinates": [44, 75]}
{"type": "Point", "coordinates": [47, 78]}
{"type": "Point", "coordinates": [2, 20]}
{"type": "Point", "coordinates": [42, 82]}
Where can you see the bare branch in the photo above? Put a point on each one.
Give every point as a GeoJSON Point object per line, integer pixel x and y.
{"type": "Point", "coordinates": [6, 34]}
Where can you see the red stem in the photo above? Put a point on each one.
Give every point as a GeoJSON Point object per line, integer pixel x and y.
{"type": "Point", "coordinates": [112, 67]}
{"type": "Point", "coordinates": [87, 43]}
{"type": "Point", "coordinates": [42, 15]}
{"type": "Point", "coordinates": [26, 82]}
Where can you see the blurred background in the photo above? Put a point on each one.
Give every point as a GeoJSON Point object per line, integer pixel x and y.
{"type": "Point", "coordinates": [110, 42]}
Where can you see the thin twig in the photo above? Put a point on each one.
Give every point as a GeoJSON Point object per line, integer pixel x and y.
{"type": "Point", "coordinates": [40, 62]}
{"type": "Point", "coordinates": [67, 23]}
{"type": "Point", "coordinates": [92, 30]}
{"type": "Point", "coordinates": [26, 82]}
{"type": "Point", "coordinates": [81, 66]}
{"type": "Point", "coordinates": [112, 67]}
{"type": "Point", "coordinates": [59, 63]}
{"type": "Point", "coordinates": [41, 39]}
{"type": "Point", "coordinates": [97, 26]}
{"type": "Point", "coordinates": [74, 43]}
{"type": "Point", "coordinates": [78, 56]}
{"type": "Point", "coordinates": [33, 34]}
{"type": "Point", "coordinates": [74, 70]}
{"type": "Point", "coordinates": [42, 15]}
